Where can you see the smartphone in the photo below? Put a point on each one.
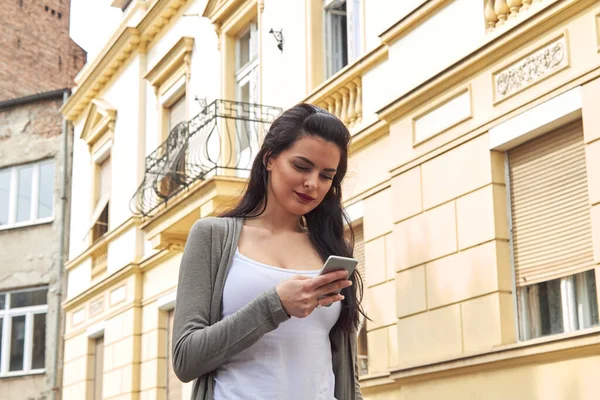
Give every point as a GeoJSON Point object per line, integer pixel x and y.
{"type": "Point", "coordinates": [336, 263]}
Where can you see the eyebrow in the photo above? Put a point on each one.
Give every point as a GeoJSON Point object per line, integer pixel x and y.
{"type": "Point", "coordinates": [312, 164]}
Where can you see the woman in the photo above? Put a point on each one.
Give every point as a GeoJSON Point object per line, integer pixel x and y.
{"type": "Point", "coordinates": [250, 321]}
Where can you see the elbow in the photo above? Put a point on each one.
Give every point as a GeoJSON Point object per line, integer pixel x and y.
{"type": "Point", "coordinates": [182, 373]}
{"type": "Point", "coordinates": [180, 365]}
{"type": "Point", "coordinates": [187, 365]}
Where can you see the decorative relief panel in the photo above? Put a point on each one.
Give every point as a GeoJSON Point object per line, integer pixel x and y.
{"type": "Point", "coordinates": [96, 306]}
{"type": "Point", "coordinates": [531, 69]}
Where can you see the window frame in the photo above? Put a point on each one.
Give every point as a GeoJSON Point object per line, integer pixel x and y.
{"type": "Point", "coordinates": [98, 358]}
{"type": "Point", "coordinates": [170, 80]}
{"type": "Point", "coordinates": [6, 315]}
{"type": "Point", "coordinates": [247, 75]}
{"type": "Point", "coordinates": [165, 305]}
{"type": "Point", "coordinates": [99, 157]}
{"type": "Point", "coordinates": [569, 292]}
{"type": "Point", "coordinates": [353, 34]}
{"type": "Point", "coordinates": [35, 186]}
{"type": "Point", "coordinates": [570, 104]}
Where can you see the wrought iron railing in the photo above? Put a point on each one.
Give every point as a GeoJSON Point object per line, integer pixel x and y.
{"type": "Point", "coordinates": [223, 137]}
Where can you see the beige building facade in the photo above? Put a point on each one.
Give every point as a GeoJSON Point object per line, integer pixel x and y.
{"type": "Point", "coordinates": [473, 186]}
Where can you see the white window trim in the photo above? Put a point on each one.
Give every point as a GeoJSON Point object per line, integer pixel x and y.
{"type": "Point", "coordinates": [353, 33]}
{"type": "Point", "coordinates": [356, 211]}
{"type": "Point", "coordinates": [103, 152]}
{"type": "Point", "coordinates": [243, 73]}
{"type": "Point", "coordinates": [558, 111]}
{"type": "Point", "coordinates": [13, 195]}
{"type": "Point", "coordinates": [569, 310]}
{"type": "Point", "coordinates": [242, 70]}
{"type": "Point", "coordinates": [166, 302]}
{"type": "Point", "coordinates": [6, 316]}
{"type": "Point", "coordinates": [95, 331]}
{"type": "Point", "coordinates": [174, 93]}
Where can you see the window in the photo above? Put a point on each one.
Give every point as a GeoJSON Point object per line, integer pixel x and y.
{"type": "Point", "coordinates": [98, 367]}
{"type": "Point", "coordinates": [551, 234]}
{"type": "Point", "coordinates": [27, 194]}
{"type": "Point", "coordinates": [342, 34]}
{"type": "Point", "coordinates": [176, 113]}
{"type": "Point", "coordinates": [362, 350]}
{"type": "Point", "coordinates": [175, 176]}
{"type": "Point", "coordinates": [247, 85]}
{"type": "Point", "coordinates": [170, 78]}
{"type": "Point", "coordinates": [102, 198]}
{"type": "Point", "coordinates": [173, 383]}
{"type": "Point", "coordinates": [559, 306]}
{"type": "Point", "coordinates": [23, 331]}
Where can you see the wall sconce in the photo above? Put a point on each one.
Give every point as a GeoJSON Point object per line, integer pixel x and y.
{"type": "Point", "coordinates": [278, 35]}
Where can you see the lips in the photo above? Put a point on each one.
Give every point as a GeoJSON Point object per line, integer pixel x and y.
{"type": "Point", "coordinates": [304, 197]}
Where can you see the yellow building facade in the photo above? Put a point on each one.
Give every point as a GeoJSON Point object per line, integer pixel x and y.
{"type": "Point", "coordinates": [473, 185]}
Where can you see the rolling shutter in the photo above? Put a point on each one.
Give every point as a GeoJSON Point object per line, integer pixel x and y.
{"type": "Point", "coordinates": [551, 223]}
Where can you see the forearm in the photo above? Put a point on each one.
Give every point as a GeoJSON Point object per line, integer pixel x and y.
{"type": "Point", "coordinates": [201, 349]}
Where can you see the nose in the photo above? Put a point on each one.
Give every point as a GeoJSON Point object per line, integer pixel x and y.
{"type": "Point", "coordinates": [311, 182]}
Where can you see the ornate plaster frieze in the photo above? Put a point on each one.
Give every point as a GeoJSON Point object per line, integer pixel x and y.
{"type": "Point", "coordinates": [531, 69]}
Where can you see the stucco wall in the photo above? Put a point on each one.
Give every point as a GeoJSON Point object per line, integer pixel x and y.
{"type": "Point", "coordinates": [29, 255]}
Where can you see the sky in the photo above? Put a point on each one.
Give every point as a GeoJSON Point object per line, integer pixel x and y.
{"type": "Point", "coordinates": [92, 23]}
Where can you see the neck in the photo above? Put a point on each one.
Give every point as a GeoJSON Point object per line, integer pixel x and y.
{"type": "Point", "coordinates": [277, 219]}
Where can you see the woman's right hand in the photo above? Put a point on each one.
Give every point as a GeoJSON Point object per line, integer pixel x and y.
{"type": "Point", "coordinates": [299, 295]}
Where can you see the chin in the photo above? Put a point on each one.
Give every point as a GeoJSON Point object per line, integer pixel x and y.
{"type": "Point", "coordinates": [299, 209]}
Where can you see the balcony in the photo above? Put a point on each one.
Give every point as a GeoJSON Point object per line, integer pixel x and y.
{"type": "Point", "coordinates": [203, 163]}
{"type": "Point", "coordinates": [99, 259]}
{"type": "Point", "coordinates": [346, 102]}
{"type": "Point", "coordinates": [342, 94]}
{"type": "Point", "coordinates": [499, 12]}
{"type": "Point", "coordinates": [221, 140]}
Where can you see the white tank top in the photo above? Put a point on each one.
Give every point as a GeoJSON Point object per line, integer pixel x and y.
{"type": "Point", "coordinates": [291, 362]}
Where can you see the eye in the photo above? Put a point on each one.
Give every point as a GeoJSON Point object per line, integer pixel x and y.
{"type": "Point", "coordinates": [301, 168]}
{"type": "Point", "coordinates": [327, 177]}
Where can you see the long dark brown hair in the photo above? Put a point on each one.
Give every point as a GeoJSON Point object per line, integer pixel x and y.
{"type": "Point", "coordinates": [325, 223]}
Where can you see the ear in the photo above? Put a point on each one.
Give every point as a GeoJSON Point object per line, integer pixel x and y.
{"type": "Point", "coordinates": [268, 161]}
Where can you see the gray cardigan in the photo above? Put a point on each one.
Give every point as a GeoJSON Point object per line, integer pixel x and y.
{"type": "Point", "coordinates": [202, 341]}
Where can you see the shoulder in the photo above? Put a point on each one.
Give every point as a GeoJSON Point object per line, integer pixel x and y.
{"type": "Point", "coordinates": [211, 227]}
{"type": "Point", "coordinates": [211, 222]}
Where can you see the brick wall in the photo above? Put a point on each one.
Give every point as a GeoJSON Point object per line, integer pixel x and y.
{"type": "Point", "coordinates": [36, 53]}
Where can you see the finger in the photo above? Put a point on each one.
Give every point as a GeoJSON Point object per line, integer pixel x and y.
{"type": "Point", "coordinates": [327, 278]}
{"type": "Point", "coordinates": [299, 278]}
{"type": "Point", "coordinates": [329, 300]}
{"type": "Point", "coordinates": [333, 287]}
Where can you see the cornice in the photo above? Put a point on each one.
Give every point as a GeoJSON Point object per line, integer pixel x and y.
{"type": "Point", "coordinates": [173, 59]}
{"type": "Point", "coordinates": [348, 73]}
{"type": "Point", "coordinates": [411, 20]}
{"type": "Point", "coordinates": [107, 282]}
{"type": "Point", "coordinates": [110, 236]}
{"type": "Point", "coordinates": [107, 115]}
{"type": "Point", "coordinates": [217, 11]}
{"type": "Point", "coordinates": [117, 51]}
{"type": "Point", "coordinates": [102, 70]}
{"type": "Point", "coordinates": [496, 47]}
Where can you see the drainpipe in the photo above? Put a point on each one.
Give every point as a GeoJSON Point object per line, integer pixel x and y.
{"type": "Point", "coordinates": [61, 249]}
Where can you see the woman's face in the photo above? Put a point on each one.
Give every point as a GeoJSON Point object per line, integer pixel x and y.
{"type": "Point", "coordinates": [301, 176]}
